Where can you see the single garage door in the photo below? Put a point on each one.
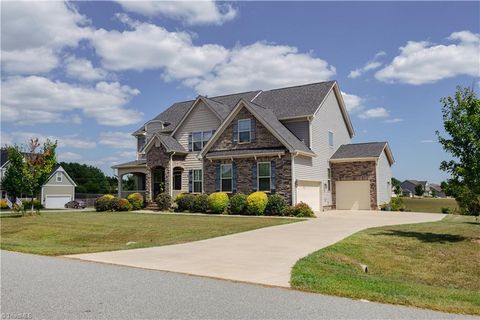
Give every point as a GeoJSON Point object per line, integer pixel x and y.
{"type": "Point", "coordinates": [56, 202]}
{"type": "Point", "coordinates": [309, 192]}
{"type": "Point", "coordinates": [353, 195]}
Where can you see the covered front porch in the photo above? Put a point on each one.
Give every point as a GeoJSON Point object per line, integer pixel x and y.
{"type": "Point", "coordinates": [136, 182]}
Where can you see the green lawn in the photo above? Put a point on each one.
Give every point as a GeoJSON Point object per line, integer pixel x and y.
{"type": "Point", "coordinates": [429, 265]}
{"type": "Point", "coordinates": [69, 233]}
{"type": "Point", "coordinates": [433, 205]}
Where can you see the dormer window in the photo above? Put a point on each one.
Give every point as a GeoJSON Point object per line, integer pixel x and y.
{"type": "Point", "coordinates": [244, 130]}
{"type": "Point", "coordinates": [59, 177]}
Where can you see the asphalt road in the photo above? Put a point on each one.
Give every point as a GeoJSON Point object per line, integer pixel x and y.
{"type": "Point", "coordinates": [37, 287]}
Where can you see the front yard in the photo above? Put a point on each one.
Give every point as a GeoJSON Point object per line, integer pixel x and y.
{"type": "Point", "coordinates": [82, 232]}
{"type": "Point", "coordinates": [431, 205]}
{"type": "Point", "coordinates": [429, 265]}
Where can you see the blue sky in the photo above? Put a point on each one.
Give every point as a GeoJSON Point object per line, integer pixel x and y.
{"type": "Point", "coordinates": [90, 73]}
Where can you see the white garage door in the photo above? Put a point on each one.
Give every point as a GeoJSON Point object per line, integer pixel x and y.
{"type": "Point", "coordinates": [309, 193]}
{"type": "Point", "coordinates": [353, 195]}
{"type": "Point", "coordinates": [56, 202]}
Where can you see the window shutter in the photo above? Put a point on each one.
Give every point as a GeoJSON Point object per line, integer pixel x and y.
{"type": "Point", "coordinates": [234, 177]}
{"type": "Point", "coordinates": [272, 176]}
{"type": "Point", "coordinates": [235, 132]}
{"type": "Point", "coordinates": [253, 129]}
{"type": "Point", "coordinates": [217, 177]}
{"type": "Point", "coordinates": [190, 142]}
{"type": "Point", "coordinates": [254, 176]}
{"type": "Point", "coordinates": [190, 181]}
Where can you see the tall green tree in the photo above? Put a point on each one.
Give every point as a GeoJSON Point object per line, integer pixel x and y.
{"type": "Point", "coordinates": [461, 119]}
{"type": "Point", "coordinates": [89, 179]}
{"type": "Point", "coordinates": [419, 191]}
{"type": "Point", "coordinates": [13, 180]}
{"type": "Point", "coordinates": [396, 186]}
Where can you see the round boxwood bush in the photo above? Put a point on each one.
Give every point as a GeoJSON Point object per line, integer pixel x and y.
{"type": "Point", "coordinates": [200, 203]}
{"type": "Point", "coordinates": [256, 203]}
{"type": "Point", "coordinates": [275, 205]}
{"type": "Point", "coordinates": [299, 210]}
{"type": "Point", "coordinates": [184, 202]}
{"type": "Point", "coordinates": [123, 205]}
{"type": "Point", "coordinates": [136, 200]}
{"type": "Point", "coordinates": [164, 201]}
{"type": "Point", "coordinates": [237, 203]}
{"type": "Point", "coordinates": [104, 203]}
{"type": "Point", "coordinates": [218, 202]}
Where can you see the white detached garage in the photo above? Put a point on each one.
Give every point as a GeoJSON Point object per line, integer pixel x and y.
{"type": "Point", "coordinates": [58, 190]}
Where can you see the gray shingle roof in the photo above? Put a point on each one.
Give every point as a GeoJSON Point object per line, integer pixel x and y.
{"type": "Point", "coordinates": [170, 143]}
{"type": "Point", "coordinates": [130, 164]}
{"type": "Point", "coordinates": [359, 150]}
{"type": "Point", "coordinates": [269, 118]}
{"type": "Point", "coordinates": [221, 153]}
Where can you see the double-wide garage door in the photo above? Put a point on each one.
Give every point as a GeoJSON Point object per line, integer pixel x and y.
{"type": "Point", "coordinates": [353, 195]}
{"type": "Point", "coordinates": [56, 202]}
{"type": "Point", "coordinates": [309, 192]}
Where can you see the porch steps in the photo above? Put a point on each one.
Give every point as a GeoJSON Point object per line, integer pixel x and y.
{"type": "Point", "coordinates": [152, 206]}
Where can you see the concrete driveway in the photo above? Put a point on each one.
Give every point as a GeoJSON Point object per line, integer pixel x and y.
{"type": "Point", "coordinates": [264, 256]}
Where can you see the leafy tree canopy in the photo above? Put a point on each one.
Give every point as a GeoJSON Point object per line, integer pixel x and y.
{"type": "Point", "coordinates": [89, 179]}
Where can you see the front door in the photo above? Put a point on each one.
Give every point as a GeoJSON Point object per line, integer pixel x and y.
{"type": "Point", "coordinates": [158, 181]}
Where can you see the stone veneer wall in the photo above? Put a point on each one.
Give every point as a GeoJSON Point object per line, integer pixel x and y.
{"type": "Point", "coordinates": [156, 157]}
{"type": "Point", "coordinates": [283, 175]}
{"type": "Point", "coordinates": [264, 138]}
{"type": "Point", "coordinates": [351, 171]}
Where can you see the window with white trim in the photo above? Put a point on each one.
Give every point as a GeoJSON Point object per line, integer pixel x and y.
{"type": "Point", "coordinates": [264, 176]}
{"type": "Point", "coordinates": [200, 139]}
{"type": "Point", "coordinates": [226, 178]}
{"type": "Point", "coordinates": [197, 181]}
{"type": "Point", "coordinates": [329, 179]}
{"type": "Point", "coordinates": [59, 177]}
{"type": "Point", "coordinates": [244, 130]}
{"type": "Point", "coordinates": [330, 138]}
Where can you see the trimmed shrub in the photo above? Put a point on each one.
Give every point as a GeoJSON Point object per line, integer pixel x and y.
{"type": "Point", "coordinates": [218, 202]}
{"type": "Point", "coordinates": [299, 210]}
{"type": "Point", "coordinates": [104, 203]}
{"type": "Point", "coordinates": [164, 201]}
{"type": "Point", "coordinates": [136, 200]}
{"type": "Point", "coordinates": [237, 203]}
{"type": "Point", "coordinates": [446, 210]}
{"type": "Point", "coordinates": [200, 203]}
{"type": "Point", "coordinates": [27, 204]}
{"type": "Point", "coordinates": [184, 202]}
{"type": "Point", "coordinates": [124, 205]}
{"type": "Point", "coordinates": [256, 203]}
{"type": "Point", "coordinates": [396, 204]}
{"type": "Point", "coordinates": [3, 204]}
{"type": "Point", "coordinates": [115, 204]}
{"type": "Point", "coordinates": [275, 205]}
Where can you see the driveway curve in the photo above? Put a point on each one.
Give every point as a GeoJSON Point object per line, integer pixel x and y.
{"type": "Point", "coordinates": [264, 256]}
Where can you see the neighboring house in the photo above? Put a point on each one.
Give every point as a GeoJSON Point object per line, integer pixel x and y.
{"type": "Point", "coordinates": [55, 193]}
{"type": "Point", "coordinates": [436, 190]}
{"type": "Point", "coordinates": [278, 141]}
{"type": "Point", "coordinates": [408, 187]}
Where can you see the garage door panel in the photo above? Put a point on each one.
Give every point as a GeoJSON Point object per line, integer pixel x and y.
{"type": "Point", "coordinates": [309, 193]}
{"type": "Point", "coordinates": [56, 202]}
{"type": "Point", "coordinates": [353, 195]}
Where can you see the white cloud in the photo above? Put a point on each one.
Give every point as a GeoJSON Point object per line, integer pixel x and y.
{"type": "Point", "coordinates": [117, 139]}
{"type": "Point", "coordinates": [34, 99]}
{"type": "Point", "coordinates": [427, 141]}
{"type": "Point", "coordinates": [69, 156]}
{"type": "Point", "coordinates": [5, 138]}
{"type": "Point", "coordinates": [370, 65]}
{"type": "Point", "coordinates": [67, 141]}
{"type": "Point", "coordinates": [191, 12]}
{"type": "Point", "coordinates": [374, 113]}
{"type": "Point", "coordinates": [423, 62]}
{"type": "Point", "coordinates": [32, 32]}
{"type": "Point", "coordinates": [83, 69]}
{"type": "Point", "coordinates": [148, 46]}
{"type": "Point", "coordinates": [262, 65]}
{"type": "Point", "coordinates": [393, 120]}
{"type": "Point", "coordinates": [352, 102]}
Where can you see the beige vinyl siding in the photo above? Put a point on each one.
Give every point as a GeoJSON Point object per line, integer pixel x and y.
{"type": "Point", "coordinates": [328, 118]}
{"type": "Point", "coordinates": [58, 190]}
{"type": "Point", "coordinates": [384, 177]}
{"type": "Point", "coordinates": [201, 118]}
{"type": "Point", "coordinates": [300, 129]}
{"type": "Point", "coordinates": [53, 180]}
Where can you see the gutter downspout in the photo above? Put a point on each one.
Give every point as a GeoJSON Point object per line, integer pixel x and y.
{"type": "Point", "coordinates": [171, 174]}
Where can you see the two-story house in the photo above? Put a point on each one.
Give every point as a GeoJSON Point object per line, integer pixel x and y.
{"type": "Point", "coordinates": [294, 141]}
